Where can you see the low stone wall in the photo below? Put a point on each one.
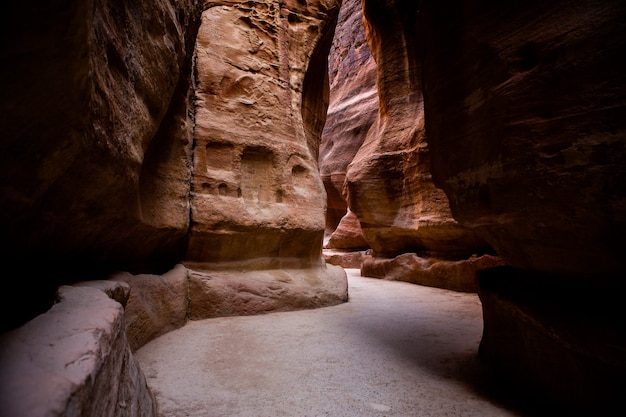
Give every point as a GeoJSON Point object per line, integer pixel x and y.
{"type": "Point", "coordinates": [77, 359]}
{"type": "Point", "coordinates": [74, 360]}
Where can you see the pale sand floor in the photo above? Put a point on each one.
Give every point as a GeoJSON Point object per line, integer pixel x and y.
{"type": "Point", "coordinates": [394, 349]}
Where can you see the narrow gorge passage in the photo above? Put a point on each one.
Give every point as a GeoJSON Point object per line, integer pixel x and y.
{"type": "Point", "coordinates": [394, 349]}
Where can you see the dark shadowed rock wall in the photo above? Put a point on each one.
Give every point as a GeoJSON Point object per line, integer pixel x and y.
{"type": "Point", "coordinates": [95, 137]}
{"type": "Point", "coordinates": [96, 133]}
{"type": "Point", "coordinates": [524, 107]}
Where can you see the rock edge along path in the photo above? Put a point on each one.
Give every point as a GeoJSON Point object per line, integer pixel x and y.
{"type": "Point", "coordinates": [394, 349]}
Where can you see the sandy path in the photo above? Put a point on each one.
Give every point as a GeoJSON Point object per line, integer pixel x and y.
{"type": "Point", "coordinates": [394, 349]}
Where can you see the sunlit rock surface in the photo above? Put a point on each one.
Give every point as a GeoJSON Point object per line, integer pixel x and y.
{"type": "Point", "coordinates": [262, 91]}
{"type": "Point", "coordinates": [352, 109]}
{"type": "Point", "coordinates": [374, 156]}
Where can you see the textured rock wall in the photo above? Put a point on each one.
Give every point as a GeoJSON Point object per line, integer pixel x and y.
{"type": "Point", "coordinates": [95, 108]}
{"type": "Point", "coordinates": [389, 185]}
{"type": "Point", "coordinates": [352, 109]}
{"type": "Point", "coordinates": [374, 155]}
{"type": "Point", "coordinates": [526, 129]}
{"type": "Point", "coordinates": [257, 197]}
{"type": "Point", "coordinates": [524, 116]}
{"type": "Point", "coordinates": [95, 137]}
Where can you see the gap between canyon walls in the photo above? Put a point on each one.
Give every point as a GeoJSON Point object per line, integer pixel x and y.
{"type": "Point", "coordinates": [375, 159]}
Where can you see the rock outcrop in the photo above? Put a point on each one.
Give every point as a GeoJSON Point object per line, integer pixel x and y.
{"type": "Point", "coordinates": [161, 303]}
{"type": "Point", "coordinates": [95, 103]}
{"type": "Point", "coordinates": [352, 109]}
{"type": "Point", "coordinates": [257, 197]}
{"type": "Point", "coordinates": [525, 129]}
{"type": "Point", "coordinates": [157, 304]}
{"type": "Point", "coordinates": [96, 139]}
{"type": "Point", "coordinates": [74, 360]}
{"type": "Point", "coordinates": [99, 144]}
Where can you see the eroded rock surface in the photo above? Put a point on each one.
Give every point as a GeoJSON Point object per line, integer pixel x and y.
{"type": "Point", "coordinates": [389, 185]}
{"type": "Point", "coordinates": [157, 304]}
{"type": "Point", "coordinates": [261, 98]}
{"type": "Point", "coordinates": [524, 116]}
{"type": "Point", "coordinates": [74, 360]}
{"type": "Point", "coordinates": [230, 293]}
{"type": "Point", "coordinates": [526, 130]}
{"type": "Point", "coordinates": [374, 148]}
{"type": "Point", "coordinates": [352, 109]}
{"type": "Point", "coordinates": [456, 275]}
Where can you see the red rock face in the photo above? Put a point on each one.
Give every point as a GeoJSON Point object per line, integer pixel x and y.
{"type": "Point", "coordinates": [524, 108]}
{"type": "Point", "coordinates": [352, 110]}
{"type": "Point", "coordinates": [388, 183]}
{"type": "Point", "coordinates": [261, 99]}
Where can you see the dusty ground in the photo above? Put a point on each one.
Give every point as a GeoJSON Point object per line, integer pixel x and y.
{"type": "Point", "coordinates": [394, 349]}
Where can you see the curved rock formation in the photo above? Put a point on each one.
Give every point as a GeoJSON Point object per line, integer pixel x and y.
{"type": "Point", "coordinates": [375, 153]}
{"type": "Point", "coordinates": [97, 132]}
{"type": "Point", "coordinates": [95, 106]}
{"type": "Point", "coordinates": [389, 185]}
{"type": "Point", "coordinates": [257, 198]}
{"type": "Point", "coordinates": [526, 132]}
{"type": "Point", "coordinates": [352, 109]}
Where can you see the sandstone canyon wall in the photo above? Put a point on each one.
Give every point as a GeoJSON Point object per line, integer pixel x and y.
{"type": "Point", "coordinates": [375, 157]}
{"type": "Point", "coordinates": [524, 117]}
{"type": "Point", "coordinates": [261, 99]}
{"type": "Point", "coordinates": [353, 106]}
{"type": "Point", "coordinates": [96, 139]}
{"type": "Point", "coordinates": [521, 127]}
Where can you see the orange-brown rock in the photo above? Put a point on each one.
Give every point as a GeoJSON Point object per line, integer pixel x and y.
{"type": "Point", "coordinates": [97, 129]}
{"type": "Point", "coordinates": [95, 137]}
{"type": "Point", "coordinates": [345, 258]}
{"type": "Point", "coordinates": [257, 197]}
{"type": "Point", "coordinates": [389, 184]}
{"type": "Point", "coordinates": [348, 234]}
{"type": "Point", "coordinates": [456, 275]}
{"type": "Point", "coordinates": [237, 293]}
{"type": "Point", "coordinates": [157, 304]}
{"type": "Point", "coordinates": [352, 109]}
{"type": "Point", "coordinates": [524, 116]}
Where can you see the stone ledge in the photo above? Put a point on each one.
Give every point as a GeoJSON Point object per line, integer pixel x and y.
{"type": "Point", "coordinates": [456, 275]}
{"type": "Point", "coordinates": [74, 360]}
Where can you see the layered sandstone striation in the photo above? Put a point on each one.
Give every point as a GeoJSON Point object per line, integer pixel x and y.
{"type": "Point", "coordinates": [352, 109]}
{"type": "Point", "coordinates": [526, 132]}
{"type": "Point", "coordinates": [376, 151]}
{"type": "Point", "coordinates": [257, 197]}
{"type": "Point", "coordinates": [99, 143]}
